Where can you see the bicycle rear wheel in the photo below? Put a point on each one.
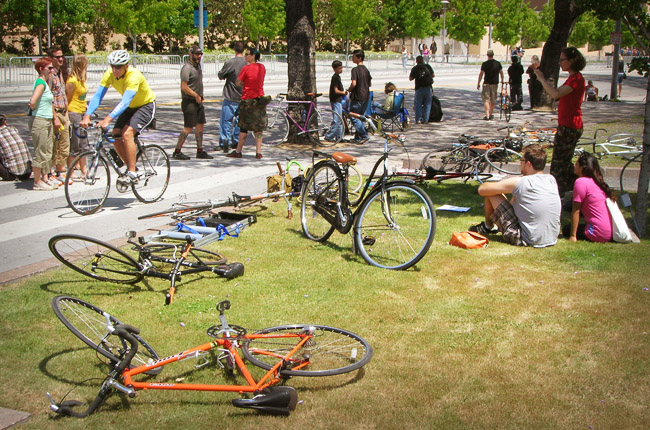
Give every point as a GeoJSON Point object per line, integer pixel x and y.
{"type": "Point", "coordinates": [320, 123]}
{"type": "Point", "coordinates": [277, 130]}
{"type": "Point", "coordinates": [507, 108]}
{"type": "Point", "coordinates": [504, 160]}
{"type": "Point", "coordinates": [152, 165]}
{"type": "Point", "coordinates": [89, 324]}
{"type": "Point", "coordinates": [395, 226]}
{"type": "Point", "coordinates": [88, 196]}
{"type": "Point", "coordinates": [95, 258]}
{"type": "Point", "coordinates": [329, 351]}
{"type": "Point", "coordinates": [319, 198]}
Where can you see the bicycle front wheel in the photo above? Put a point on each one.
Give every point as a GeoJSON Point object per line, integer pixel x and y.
{"type": "Point", "coordinates": [94, 258]}
{"type": "Point", "coordinates": [278, 127]}
{"type": "Point", "coordinates": [320, 196]}
{"type": "Point", "coordinates": [89, 324]}
{"type": "Point", "coordinates": [320, 123]}
{"type": "Point", "coordinates": [88, 196]}
{"type": "Point", "coordinates": [395, 226]}
{"type": "Point", "coordinates": [328, 351]}
{"type": "Point", "coordinates": [504, 160]}
{"type": "Point", "coordinates": [152, 166]}
{"type": "Point", "coordinates": [169, 253]}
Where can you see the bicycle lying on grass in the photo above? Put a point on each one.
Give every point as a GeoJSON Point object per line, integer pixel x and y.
{"type": "Point", "coordinates": [89, 194]}
{"type": "Point", "coordinates": [104, 262]}
{"type": "Point", "coordinates": [282, 351]}
{"type": "Point", "coordinates": [394, 222]}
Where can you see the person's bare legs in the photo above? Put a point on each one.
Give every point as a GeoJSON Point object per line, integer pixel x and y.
{"type": "Point", "coordinates": [242, 140]}
{"type": "Point", "coordinates": [491, 203]}
{"type": "Point", "coordinates": [486, 107]}
{"type": "Point", "coordinates": [258, 141]}
{"type": "Point", "coordinates": [125, 146]}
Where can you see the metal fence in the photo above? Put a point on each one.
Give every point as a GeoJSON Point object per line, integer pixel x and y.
{"type": "Point", "coordinates": [19, 71]}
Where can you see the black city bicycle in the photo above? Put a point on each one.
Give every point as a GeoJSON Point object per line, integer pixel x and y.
{"type": "Point", "coordinates": [104, 262]}
{"type": "Point", "coordinates": [92, 180]}
{"type": "Point", "coordinates": [393, 222]}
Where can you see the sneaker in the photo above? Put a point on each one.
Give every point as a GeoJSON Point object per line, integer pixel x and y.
{"type": "Point", "coordinates": [483, 229]}
{"type": "Point", "coordinates": [178, 155]}
{"type": "Point", "coordinates": [485, 118]}
{"type": "Point", "coordinates": [43, 186]}
{"type": "Point", "coordinates": [361, 141]}
{"type": "Point", "coordinates": [203, 155]}
{"type": "Point", "coordinates": [234, 154]}
{"type": "Point", "coordinates": [61, 178]}
{"type": "Point", "coordinates": [258, 156]}
{"type": "Point", "coordinates": [491, 117]}
{"type": "Point", "coordinates": [130, 178]}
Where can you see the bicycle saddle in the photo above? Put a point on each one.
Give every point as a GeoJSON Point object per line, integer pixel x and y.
{"type": "Point", "coordinates": [272, 400]}
{"type": "Point", "coordinates": [343, 158]}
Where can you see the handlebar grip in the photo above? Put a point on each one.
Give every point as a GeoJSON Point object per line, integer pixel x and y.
{"type": "Point", "coordinates": [83, 134]}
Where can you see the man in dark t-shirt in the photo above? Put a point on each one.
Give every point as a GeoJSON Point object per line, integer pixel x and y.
{"type": "Point", "coordinates": [359, 94]}
{"type": "Point", "coordinates": [335, 133]}
{"type": "Point", "coordinates": [515, 71]}
{"type": "Point", "coordinates": [492, 70]}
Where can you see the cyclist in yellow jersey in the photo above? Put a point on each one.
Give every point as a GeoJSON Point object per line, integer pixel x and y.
{"type": "Point", "coordinates": [135, 111]}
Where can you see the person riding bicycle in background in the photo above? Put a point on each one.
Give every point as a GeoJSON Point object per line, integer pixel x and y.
{"type": "Point", "coordinates": [135, 111]}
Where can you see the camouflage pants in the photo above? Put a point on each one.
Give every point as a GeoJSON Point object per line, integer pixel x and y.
{"type": "Point", "coordinates": [252, 115]}
{"type": "Point", "coordinates": [561, 161]}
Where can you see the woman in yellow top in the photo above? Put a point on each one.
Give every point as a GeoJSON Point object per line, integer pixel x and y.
{"type": "Point", "coordinates": [76, 90]}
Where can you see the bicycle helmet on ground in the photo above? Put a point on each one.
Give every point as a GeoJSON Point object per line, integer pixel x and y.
{"type": "Point", "coordinates": [118, 58]}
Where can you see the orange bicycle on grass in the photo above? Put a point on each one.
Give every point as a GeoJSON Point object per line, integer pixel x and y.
{"type": "Point", "coordinates": [282, 351]}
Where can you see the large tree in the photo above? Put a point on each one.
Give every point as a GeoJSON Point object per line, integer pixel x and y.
{"type": "Point", "coordinates": [467, 19]}
{"type": "Point", "coordinates": [301, 56]}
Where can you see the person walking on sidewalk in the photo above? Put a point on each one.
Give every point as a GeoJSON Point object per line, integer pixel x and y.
{"type": "Point", "coordinates": [231, 98]}
{"type": "Point", "coordinates": [133, 114]}
{"type": "Point", "coordinates": [359, 90]}
{"type": "Point", "coordinates": [515, 72]}
{"type": "Point", "coordinates": [423, 76]}
{"type": "Point", "coordinates": [192, 105]}
{"type": "Point", "coordinates": [252, 109]}
{"type": "Point", "coordinates": [491, 70]}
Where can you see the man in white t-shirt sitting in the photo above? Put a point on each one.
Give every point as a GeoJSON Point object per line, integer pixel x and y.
{"type": "Point", "coordinates": [532, 216]}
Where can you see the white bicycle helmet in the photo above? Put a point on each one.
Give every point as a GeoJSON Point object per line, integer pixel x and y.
{"type": "Point", "coordinates": [118, 58]}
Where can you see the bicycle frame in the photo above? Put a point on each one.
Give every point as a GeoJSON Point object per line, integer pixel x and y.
{"type": "Point", "coordinates": [229, 344]}
{"type": "Point", "coordinates": [284, 105]}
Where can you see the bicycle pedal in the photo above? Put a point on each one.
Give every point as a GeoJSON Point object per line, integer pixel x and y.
{"type": "Point", "coordinates": [368, 240]}
{"type": "Point", "coordinates": [122, 187]}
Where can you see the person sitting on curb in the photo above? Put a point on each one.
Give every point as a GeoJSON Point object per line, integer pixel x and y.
{"type": "Point", "coordinates": [591, 92]}
{"type": "Point", "coordinates": [532, 217]}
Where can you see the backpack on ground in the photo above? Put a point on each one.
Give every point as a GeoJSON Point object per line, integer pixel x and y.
{"type": "Point", "coordinates": [436, 110]}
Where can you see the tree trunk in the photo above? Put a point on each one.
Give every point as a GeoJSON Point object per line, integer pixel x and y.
{"type": "Point", "coordinates": [566, 14]}
{"type": "Point", "coordinates": [301, 58]}
{"type": "Point", "coordinates": [641, 211]}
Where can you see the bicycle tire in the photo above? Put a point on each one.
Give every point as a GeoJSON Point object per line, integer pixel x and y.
{"type": "Point", "coordinates": [455, 161]}
{"type": "Point", "coordinates": [152, 165]}
{"type": "Point", "coordinates": [87, 197]}
{"type": "Point", "coordinates": [402, 241]}
{"type": "Point", "coordinates": [320, 195]}
{"type": "Point", "coordinates": [277, 130]}
{"type": "Point", "coordinates": [179, 210]}
{"type": "Point", "coordinates": [354, 180]}
{"type": "Point", "coordinates": [196, 258]}
{"type": "Point", "coordinates": [95, 259]}
{"type": "Point", "coordinates": [88, 323]}
{"type": "Point", "coordinates": [321, 121]}
{"type": "Point", "coordinates": [504, 160]}
{"type": "Point", "coordinates": [331, 351]}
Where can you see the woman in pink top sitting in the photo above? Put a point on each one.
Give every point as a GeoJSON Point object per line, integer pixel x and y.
{"type": "Point", "coordinates": [589, 194]}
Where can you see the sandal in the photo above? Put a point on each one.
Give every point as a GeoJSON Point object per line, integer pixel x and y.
{"type": "Point", "coordinates": [234, 154]}
{"type": "Point", "coordinates": [258, 156]}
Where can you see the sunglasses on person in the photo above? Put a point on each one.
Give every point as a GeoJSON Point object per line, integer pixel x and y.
{"type": "Point", "coordinates": [58, 56]}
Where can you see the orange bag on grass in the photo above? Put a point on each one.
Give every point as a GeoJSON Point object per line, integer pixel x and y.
{"type": "Point", "coordinates": [468, 240]}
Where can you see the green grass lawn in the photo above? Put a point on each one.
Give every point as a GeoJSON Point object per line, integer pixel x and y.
{"type": "Point", "coordinates": [501, 337]}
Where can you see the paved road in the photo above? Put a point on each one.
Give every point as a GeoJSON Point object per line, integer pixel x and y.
{"type": "Point", "coordinates": [28, 219]}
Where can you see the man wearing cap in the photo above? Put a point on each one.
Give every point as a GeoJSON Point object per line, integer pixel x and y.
{"type": "Point", "coordinates": [192, 105]}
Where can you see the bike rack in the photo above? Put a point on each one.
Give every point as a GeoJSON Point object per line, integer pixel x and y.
{"type": "Point", "coordinates": [217, 227]}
